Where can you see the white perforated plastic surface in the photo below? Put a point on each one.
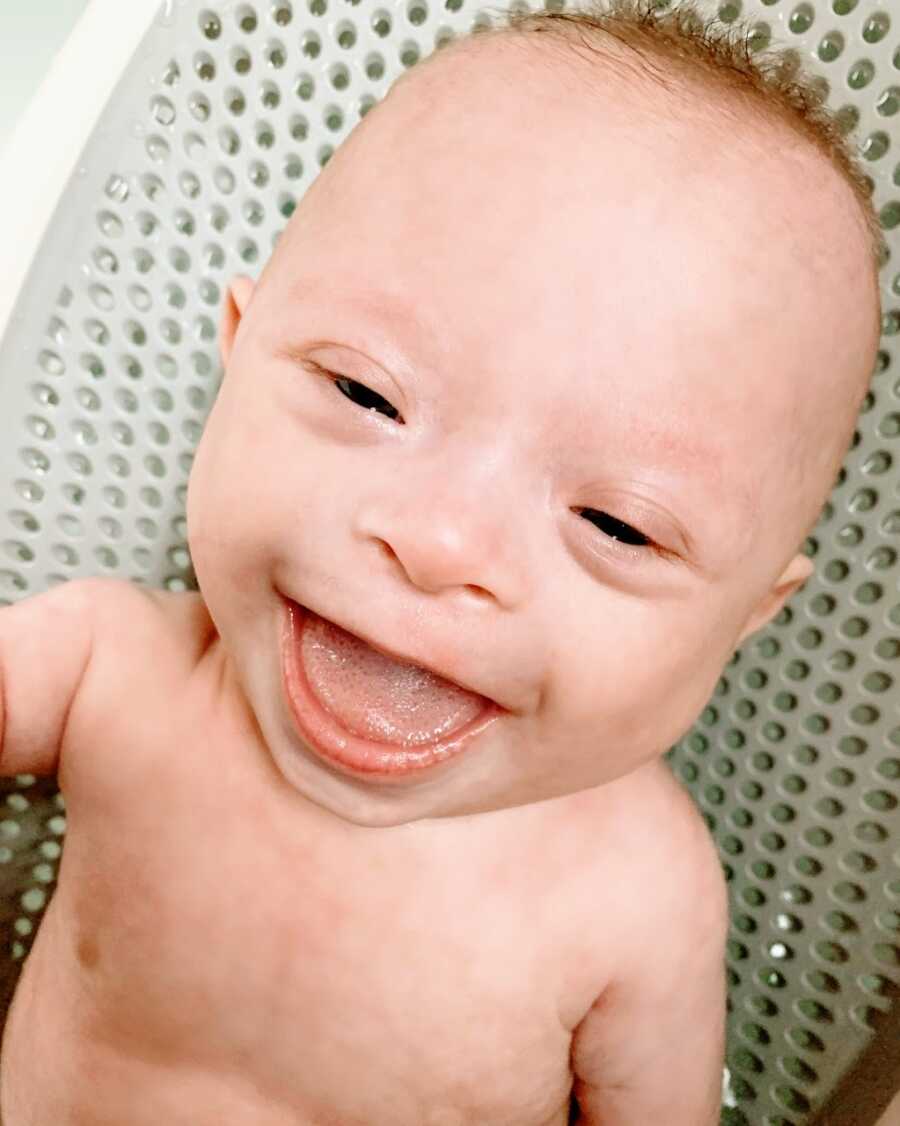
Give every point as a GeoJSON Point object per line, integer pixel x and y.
{"type": "Point", "coordinates": [109, 365]}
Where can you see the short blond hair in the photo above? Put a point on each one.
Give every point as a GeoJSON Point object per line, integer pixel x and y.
{"type": "Point", "coordinates": [726, 57]}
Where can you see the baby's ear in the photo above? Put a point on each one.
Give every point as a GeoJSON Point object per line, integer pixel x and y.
{"type": "Point", "coordinates": [790, 580]}
{"type": "Point", "coordinates": [240, 290]}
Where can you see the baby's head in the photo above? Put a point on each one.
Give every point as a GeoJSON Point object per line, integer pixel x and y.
{"type": "Point", "coordinates": [615, 319]}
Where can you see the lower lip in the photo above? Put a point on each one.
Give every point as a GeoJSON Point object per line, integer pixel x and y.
{"type": "Point", "coordinates": [353, 753]}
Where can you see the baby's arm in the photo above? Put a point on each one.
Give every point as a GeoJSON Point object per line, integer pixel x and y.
{"type": "Point", "coordinates": [651, 1048]}
{"type": "Point", "coordinates": [45, 650]}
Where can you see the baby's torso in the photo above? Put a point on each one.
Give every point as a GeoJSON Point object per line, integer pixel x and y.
{"type": "Point", "coordinates": [217, 952]}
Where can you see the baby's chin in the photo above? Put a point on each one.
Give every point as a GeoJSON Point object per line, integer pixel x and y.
{"type": "Point", "coordinates": [477, 782]}
{"type": "Point", "coordinates": [442, 791]}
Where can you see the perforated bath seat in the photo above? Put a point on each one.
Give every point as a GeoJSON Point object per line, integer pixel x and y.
{"type": "Point", "coordinates": [121, 223]}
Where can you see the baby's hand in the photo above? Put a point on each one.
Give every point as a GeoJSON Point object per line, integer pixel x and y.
{"type": "Point", "coordinates": [46, 643]}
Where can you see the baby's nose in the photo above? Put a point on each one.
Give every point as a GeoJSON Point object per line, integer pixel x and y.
{"type": "Point", "coordinates": [442, 536]}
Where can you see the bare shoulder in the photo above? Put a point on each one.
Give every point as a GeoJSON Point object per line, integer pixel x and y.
{"type": "Point", "coordinates": [144, 647]}
{"type": "Point", "coordinates": [678, 866]}
{"type": "Point", "coordinates": [686, 850]}
{"type": "Point", "coordinates": [672, 873]}
{"type": "Point", "coordinates": [133, 620]}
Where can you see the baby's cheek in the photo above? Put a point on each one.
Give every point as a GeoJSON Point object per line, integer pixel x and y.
{"type": "Point", "coordinates": [217, 501]}
{"type": "Point", "coordinates": [646, 680]}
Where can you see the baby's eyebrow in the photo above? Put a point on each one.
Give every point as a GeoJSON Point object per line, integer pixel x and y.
{"type": "Point", "coordinates": [376, 307]}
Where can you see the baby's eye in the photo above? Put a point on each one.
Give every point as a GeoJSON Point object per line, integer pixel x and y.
{"type": "Point", "coordinates": [614, 528]}
{"type": "Point", "coordinates": [365, 397]}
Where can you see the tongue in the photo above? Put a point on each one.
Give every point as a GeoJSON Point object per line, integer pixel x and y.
{"type": "Point", "coordinates": [377, 697]}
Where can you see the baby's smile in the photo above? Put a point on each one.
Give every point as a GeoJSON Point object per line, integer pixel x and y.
{"type": "Point", "coordinates": [366, 711]}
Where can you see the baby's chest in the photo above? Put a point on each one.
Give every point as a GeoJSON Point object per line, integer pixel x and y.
{"type": "Point", "coordinates": [352, 984]}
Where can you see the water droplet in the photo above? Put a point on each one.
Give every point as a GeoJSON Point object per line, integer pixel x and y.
{"type": "Point", "coordinates": [29, 490]}
{"type": "Point", "coordinates": [109, 224]}
{"type": "Point", "coordinates": [204, 329]}
{"type": "Point", "coordinates": [889, 102]}
{"type": "Point", "coordinates": [199, 107]}
{"type": "Point", "coordinates": [18, 551]}
{"type": "Point", "coordinates": [179, 259]}
{"type": "Point", "coordinates": [64, 554]}
{"type": "Point", "coordinates": [253, 212]}
{"type": "Point", "coordinates": [275, 55]}
{"type": "Point", "coordinates": [192, 431]}
{"type": "Point", "coordinates": [35, 460]}
{"type": "Point", "coordinates": [209, 292]}
{"type": "Point", "coordinates": [117, 188]}
{"type": "Point", "coordinates": [123, 434]}
{"type": "Point", "coordinates": [118, 465]}
{"type": "Point", "coordinates": [51, 363]}
{"type": "Point", "coordinates": [876, 145]}
{"type": "Point", "coordinates": [172, 73]}
{"type": "Point", "coordinates": [58, 330]}
{"type": "Point", "coordinates": [70, 525]}
{"type": "Point", "coordinates": [89, 400]}
{"type": "Point", "coordinates": [170, 330]}
{"type": "Point", "coordinates": [143, 261]}
{"type": "Point", "coordinates": [139, 297]}
{"type": "Point", "coordinates": [85, 434]}
{"type": "Point", "coordinates": [831, 46]}
{"type": "Point", "coordinates": [259, 174]}
{"type": "Point", "coordinates": [219, 219]}
{"type": "Point", "coordinates": [96, 331]}
{"type": "Point", "coordinates": [861, 74]}
{"type": "Point", "coordinates": [269, 95]}
{"type": "Point", "coordinates": [101, 297]}
{"type": "Point", "coordinates": [184, 222]}
{"type": "Point", "coordinates": [246, 19]}
{"type": "Point", "coordinates": [157, 149]}
{"type": "Point", "coordinates": [45, 395]}
{"type": "Point", "coordinates": [162, 110]}
{"type": "Point", "coordinates": [876, 27]}
{"type": "Point", "coordinates": [189, 184]}
{"type": "Point", "coordinates": [241, 61]}
{"type": "Point", "coordinates": [105, 556]}
{"type": "Point", "coordinates": [113, 496]}
{"type": "Point", "coordinates": [229, 141]}
{"type": "Point", "coordinates": [204, 67]}
{"type": "Point", "coordinates": [210, 25]}
{"type": "Point", "coordinates": [213, 256]}
{"type": "Point", "coordinates": [126, 400]}
{"type": "Point", "coordinates": [105, 260]}
{"type": "Point", "coordinates": [224, 180]}
{"type": "Point", "coordinates": [110, 528]}
{"type": "Point", "coordinates": [11, 582]}
{"type": "Point", "coordinates": [194, 146]}
{"type": "Point", "coordinates": [40, 427]}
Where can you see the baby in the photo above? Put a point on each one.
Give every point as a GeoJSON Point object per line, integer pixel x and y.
{"type": "Point", "coordinates": [520, 431]}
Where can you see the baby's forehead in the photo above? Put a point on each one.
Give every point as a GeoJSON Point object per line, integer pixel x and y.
{"type": "Point", "coordinates": [587, 244]}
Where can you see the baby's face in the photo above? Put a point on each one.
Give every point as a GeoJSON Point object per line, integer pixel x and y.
{"type": "Point", "coordinates": [589, 350]}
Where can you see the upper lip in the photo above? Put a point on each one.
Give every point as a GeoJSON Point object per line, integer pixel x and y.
{"type": "Point", "coordinates": [408, 658]}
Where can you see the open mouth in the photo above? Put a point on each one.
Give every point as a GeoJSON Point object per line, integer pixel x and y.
{"type": "Point", "coordinates": [367, 711]}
